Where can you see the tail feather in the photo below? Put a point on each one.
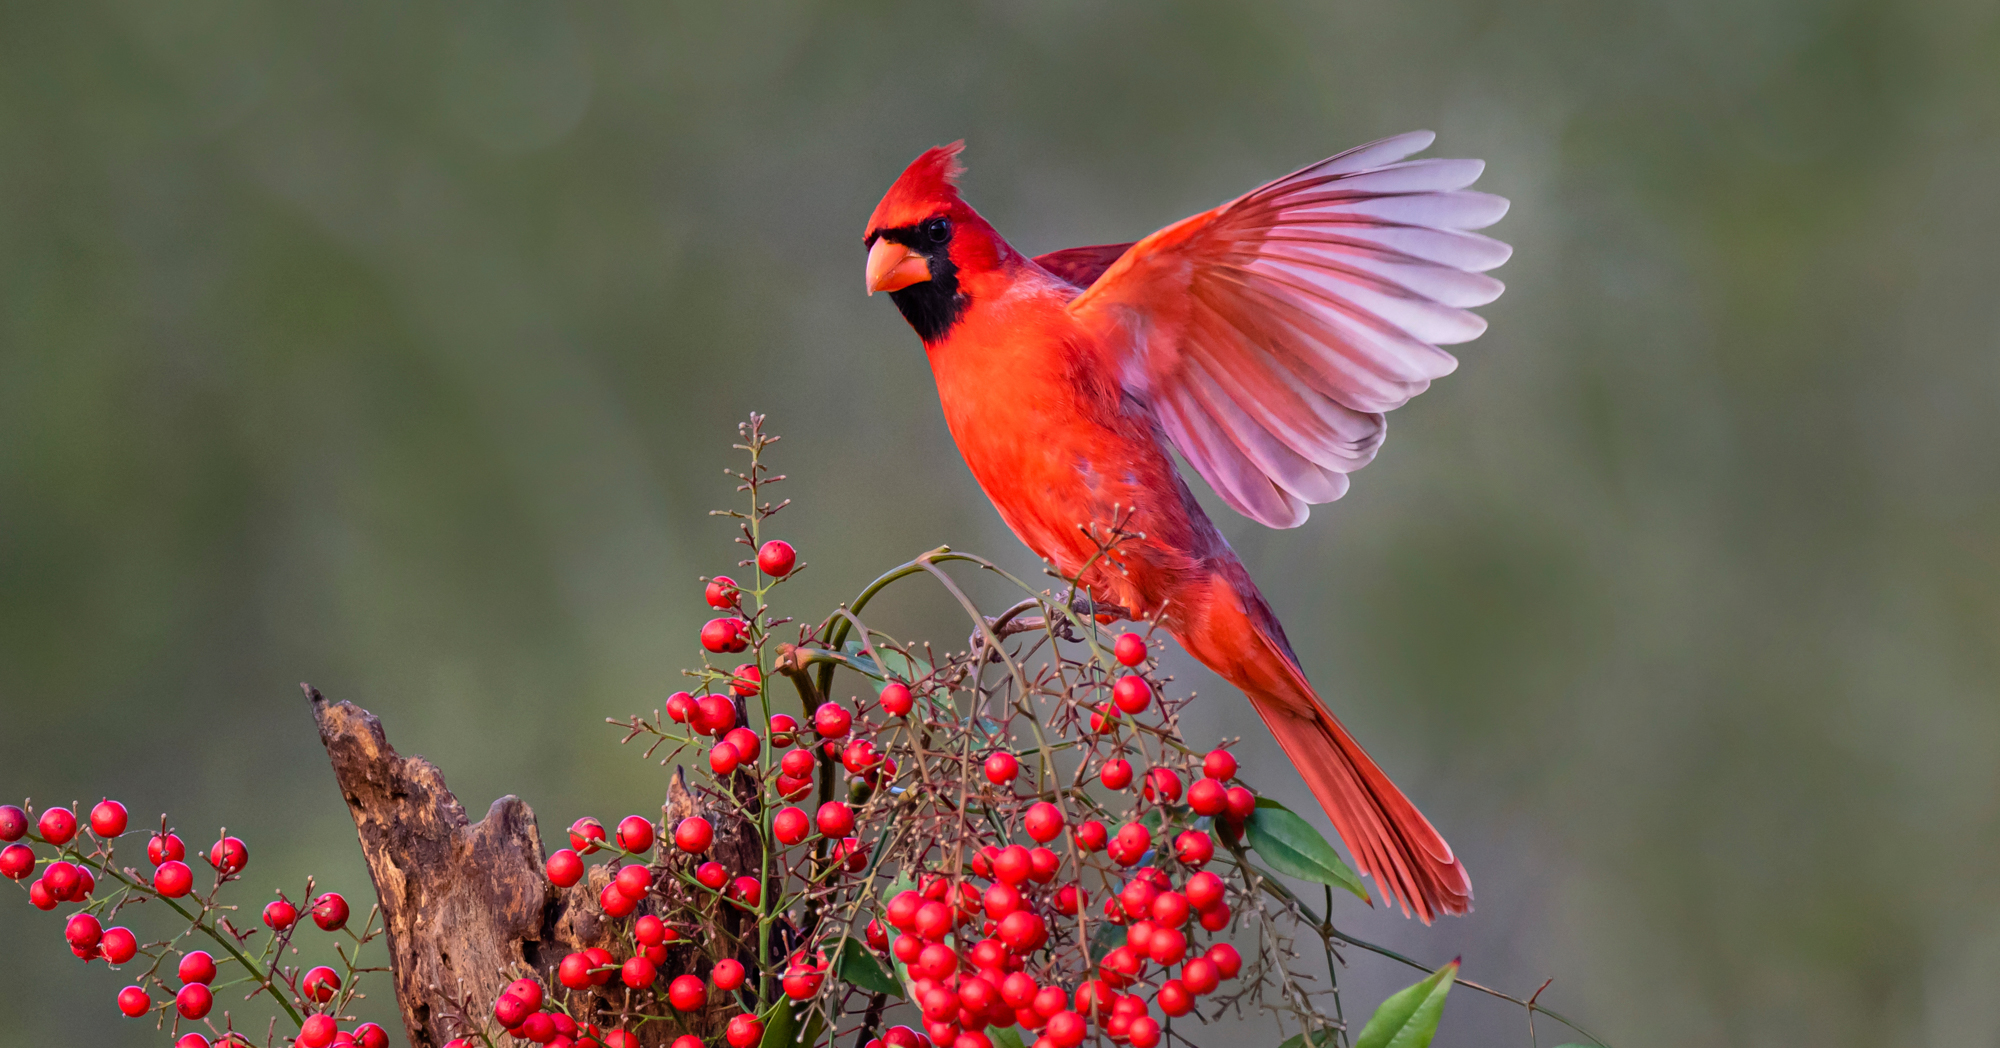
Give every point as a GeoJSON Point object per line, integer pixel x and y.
{"type": "Point", "coordinates": [1231, 630]}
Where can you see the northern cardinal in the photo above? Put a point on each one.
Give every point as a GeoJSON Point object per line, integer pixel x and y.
{"type": "Point", "coordinates": [1263, 340]}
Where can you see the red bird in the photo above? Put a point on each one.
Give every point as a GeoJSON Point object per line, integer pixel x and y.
{"type": "Point", "coordinates": [1263, 340]}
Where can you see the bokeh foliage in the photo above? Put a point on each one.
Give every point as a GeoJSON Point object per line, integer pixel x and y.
{"type": "Point", "coordinates": [394, 347]}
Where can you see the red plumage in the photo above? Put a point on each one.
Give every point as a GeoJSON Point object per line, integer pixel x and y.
{"type": "Point", "coordinates": [1263, 340]}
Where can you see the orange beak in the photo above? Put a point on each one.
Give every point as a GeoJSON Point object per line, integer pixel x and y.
{"type": "Point", "coordinates": [892, 267]}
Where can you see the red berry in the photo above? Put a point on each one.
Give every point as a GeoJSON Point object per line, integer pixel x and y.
{"type": "Point", "coordinates": [832, 720]}
{"type": "Point", "coordinates": [1194, 848]}
{"type": "Point", "coordinates": [1170, 909]}
{"type": "Point", "coordinates": [935, 961]}
{"type": "Point", "coordinates": [197, 967]}
{"type": "Point", "coordinates": [107, 819]}
{"type": "Point", "coordinates": [1104, 718]}
{"type": "Point", "coordinates": [1090, 836]}
{"type": "Point", "coordinates": [118, 945]}
{"type": "Point", "coordinates": [1070, 899]}
{"type": "Point", "coordinates": [1137, 897]}
{"type": "Point", "coordinates": [1168, 946]}
{"type": "Point", "coordinates": [896, 699]}
{"type": "Point", "coordinates": [330, 912]}
{"type": "Point", "coordinates": [1042, 865]}
{"type": "Point", "coordinates": [57, 826]}
{"type": "Point", "coordinates": [680, 706]}
{"type": "Point", "coordinates": [728, 974]}
{"type": "Point", "coordinates": [60, 879]}
{"type": "Point", "coordinates": [776, 558]}
{"type": "Point", "coordinates": [1226, 959]}
{"type": "Point", "coordinates": [743, 1030]}
{"type": "Point", "coordinates": [802, 981]}
{"type": "Point", "coordinates": [1022, 931]}
{"type": "Point", "coordinates": [1219, 764]}
{"type": "Point", "coordinates": [1001, 768]}
{"type": "Point", "coordinates": [1012, 865]}
{"type": "Point", "coordinates": [229, 855]}
{"type": "Point", "coordinates": [1201, 976]}
{"type": "Point", "coordinates": [748, 681]}
{"type": "Point", "coordinates": [1117, 774]}
{"type": "Point", "coordinates": [320, 984]}
{"type": "Point", "coordinates": [790, 826]}
{"type": "Point", "coordinates": [638, 973]}
{"type": "Point", "coordinates": [1043, 821]}
{"type": "Point", "coordinates": [721, 592]}
{"type": "Point", "coordinates": [715, 714]}
{"type": "Point", "coordinates": [784, 729]}
{"type": "Point", "coordinates": [1216, 917]}
{"type": "Point", "coordinates": [1204, 890]}
{"type": "Point", "coordinates": [165, 847]}
{"type": "Point", "coordinates": [280, 914]}
{"type": "Point", "coordinates": [692, 835]}
{"type": "Point", "coordinates": [565, 868]}
{"type": "Point", "coordinates": [901, 912]}
{"type": "Point", "coordinates": [1066, 1029]}
{"type": "Point", "coordinates": [635, 834]}
{"type": "Point", "coordinates": [797, 762]}
{"type": "Point", "coordinates": [317, 1031]}
{"type": "Point", "coordinates": [747, 892]}
{"type": "Point", "coordinates": [859, 756]}
{"type": "Point", "coordinates": [746, 742]}
{"type": "Point", "coordinates": [723, 758]}
{"type": "Point", "coordinates": [633, 881]}
{"type": "Point", "coordinates": [687, 993]}
{"type": "Point", "coordinates": [711, 875]}
{"type": "Point", "coordinates": [1130, 650]}
{"type": "Point", "coordinates": [511, 1010]}
{"type": "Point", "coordinates": [900, 1037]}
{"type": "Point", "coordinates": [1174, 998]}
{"type": "Point", "coordinates": [528, 990]}
{"type": "Point", "coordinates": [1208, 796]}
{"type": "Point", "coordinates": [193, 1001]}
{"type": "Point", "coordinates": [850, 853]}
{"type": "Point", "coordinates": [1163, 786]}
{"type": "Point", "coordinates": [1132, 693]}
{"type": "Point", "coordinates": [17, 861]}
{"type": "Point", "coordinates": [574, 971]}
{"type": "Point", "coordinates": [720, 635]}
{"type": "Point", "coordinates": [40, 897]}
{"type": "Point", "coordinates": [82, 931]}
{"type": "Point", "coordinates": [1241, 803]}
{"type": "Point", "coordinates": [1144, 1032]}
{"type": "Point", "coordinates": [369, 1035]}
{"type": "Point", "coordinates": [134, 1002]}
{"type": "Point", "coordinates": [584, 835]}
{"type": "Point", "coordinates": [835, 819]}
{"type": "Point", "coordinates": [1131, 844]}
{"type": "Point", "coordinates": [933, 921]}
{"type": "Point", "coordinates": [85, 884]}
{"type": "Point", "coordinates": [13, 822]}
{"type": "Point", "coordinates": [173, 879]}
{"type": "Point", "coordinates": [615, 903]}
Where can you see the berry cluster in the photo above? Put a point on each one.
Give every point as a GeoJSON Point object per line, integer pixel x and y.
{"type": "Point", "coordinates": [172, 982]}
{"type": "Point", "coordinates": [933, 846]}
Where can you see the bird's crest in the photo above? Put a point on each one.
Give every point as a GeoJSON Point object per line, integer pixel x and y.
{"type": "Point", "coordinates": [928, 184]}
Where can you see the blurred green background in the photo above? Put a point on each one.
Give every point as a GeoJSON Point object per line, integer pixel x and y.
{"type": "Point", "coordinates": [397, 348]}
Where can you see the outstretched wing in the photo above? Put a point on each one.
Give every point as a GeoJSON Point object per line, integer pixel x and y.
{"type": "Point", "coordinates": [1271, 333]}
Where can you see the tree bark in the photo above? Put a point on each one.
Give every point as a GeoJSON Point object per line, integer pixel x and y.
{"type": "Point", "coordinates": [469, 907]}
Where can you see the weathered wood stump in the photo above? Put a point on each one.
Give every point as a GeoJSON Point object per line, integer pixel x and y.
{"type": "Point", "coordinates": [468, 906]}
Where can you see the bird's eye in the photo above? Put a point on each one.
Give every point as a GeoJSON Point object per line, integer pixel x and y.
{"type": "Point", "coordinates": [938, 230]}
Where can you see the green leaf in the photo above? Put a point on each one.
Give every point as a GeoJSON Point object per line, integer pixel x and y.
{"type": "Point", "coordinates": [1292, 847]}
{"type": "Point", "coordinates": [1320, 1039]}
{"type": "Point", "coordinates": [1409, 1018]}
{"type": "Point", "coordinates": [1005, 1037]}
{"type": "Point", "coordinates": [856, 966]}
{"type": "Point", "coordinates": [894, 664]}
{"type": "Point", "coordinates": [779, 1026]}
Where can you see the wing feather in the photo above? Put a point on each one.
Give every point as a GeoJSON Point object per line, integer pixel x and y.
{"type": "Point", "coordinates": [1270, 334]}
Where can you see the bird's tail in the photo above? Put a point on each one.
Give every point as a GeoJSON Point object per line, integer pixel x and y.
{"type": "Point", "coordinates": [1232, 630]}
